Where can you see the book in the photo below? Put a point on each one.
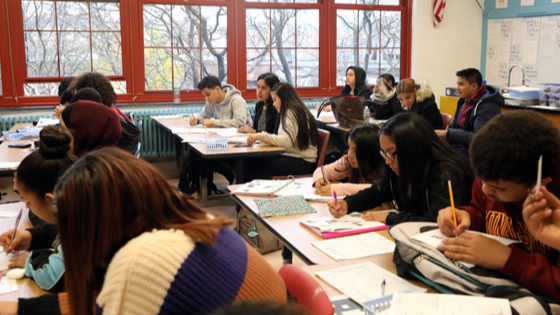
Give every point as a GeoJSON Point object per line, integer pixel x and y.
{"type": "Point", "coordinates": [281, 188]}
{"type": "Point", "coordinates": [356, 247]}
{"type": "Point", "coordinates": [346, 225]}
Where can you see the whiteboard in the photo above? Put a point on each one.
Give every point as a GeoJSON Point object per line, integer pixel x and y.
{"type": "Point", "coordinates": [533, 43]}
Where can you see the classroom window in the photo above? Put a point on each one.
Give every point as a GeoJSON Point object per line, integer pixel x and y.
{"type": "Point", "coordinates": [380, 2]}
{"type": "Point", "coordinates": [182, 44]}
{"type": "Point", "coordinates": [284, 42]}
{"type": "Point", "coordinates": [368, 39]}
{"type": "Point", "coordinates": [68, 38]}
{"type": "Point", "coordinates": [284, 1]}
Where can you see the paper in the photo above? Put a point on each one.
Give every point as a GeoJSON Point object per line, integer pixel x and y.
{"type": "Point", "coordinates": [503, 52]}
{"type": "Point", "coordinates": [533, 27]}
{"type": "Point", "coordinates": [43, 122]}
{"type": "Point", "coordinates": [8, 285]}
{"type": "Point", "coordinates": [348, 222]}
{"type": "Point", "coordinates": [8, 214]}
{"type": "Point", "coordinates": [176, 130]}
{"type": "Point", "coordinates": [9, 165]}
{"type": "Point", "coordinates": [530, 53]}
{"type": "Point", "coordinates": [362, 282]}
{"type": "Point", "coordinates": [224, 132]}
{"type": "Point", "coordinates": [240, 140]}
{"type": "Point", "coordinates": [305, 189]}
{"type": "Point", "coordinates": [501, 4]}
{"type": "Point", "coordinates": [525, 3]}
{"type": "Point", "coordinates": [194, 140]}
{"type": "Point", "coordinates": [434, 238]}
{"type": "Point", "coordinates": [447, 304]}
{"type": "Point", "coordinates": [265, 187]}
{"type": "Point", "coordinates": [548, 38]}
{"type": "Point", "coordinates": [356, 247]}
{"type": "Point", "coordinates": [519, 33]}
{"type": "Point", "coordinates": [539, 175]}
{"type": "Point", "coordinates": [5, 260]}
{"type": "Point", "coordinates": [494, 30]}
{"type": "Point", "coordinates": [531, 74]}
{"type": "Point", "coordinates": [169, 116]}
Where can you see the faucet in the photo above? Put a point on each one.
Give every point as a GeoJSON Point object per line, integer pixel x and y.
{"type": "Point", "coordinates": [522, 72]}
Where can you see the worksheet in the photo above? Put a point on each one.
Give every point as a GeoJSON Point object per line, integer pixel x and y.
{"type": "Point", "coordinates": [356, 247]}
{"type": "Point", "coordinates": [447, 304]}
{"type": "Point", "coordinates": [176, 130]}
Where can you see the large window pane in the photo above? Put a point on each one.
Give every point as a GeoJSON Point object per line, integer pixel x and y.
{"type": "Point", "coordinates": [347, 28]}
{"type": "Point", "coordinates": [105, 16]}
{"type": "Point", "coordinates": [381, 2]}
{"type": "Point", "coordinates": [368, 60]}
{"type": "Point", "coordinates": [73, 16]}
{"type": "Point", "coordinates": [40, 89]}
{"type": "Point", "coordinates": [344, 59]}
{"type": "Point", "coordinates": [198, 45]}
{"type": "Point", "coordinates": [276, 39]}
{"type": "Point", "coordinates": [391, 62]}
{"type": "Point", "coordinates": [74, 53]}
{"type": "Point", "coordinates": [107, 53]}
{"type": "Point", "coordinates": [391, 29]}
{"type": "Point", "coordinates": [38, 15]}
{"type": "Point", "coordinates": [41, 54]}
{"type": "Point", "coordinates": [369, 29]}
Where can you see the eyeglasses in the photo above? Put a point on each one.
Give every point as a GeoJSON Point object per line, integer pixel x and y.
{"type": "Point", "coordinates": [388, 155]}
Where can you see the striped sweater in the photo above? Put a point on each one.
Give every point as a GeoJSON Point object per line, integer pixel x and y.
{"type": "Point", "coordinates": [168, 272]}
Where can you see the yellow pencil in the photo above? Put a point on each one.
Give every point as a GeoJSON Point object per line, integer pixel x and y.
{"type": "Point", "coordinates": [452, 203]}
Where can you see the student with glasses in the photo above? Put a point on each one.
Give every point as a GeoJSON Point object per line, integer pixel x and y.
{"type": "Point", "coordinates": [421, 164]}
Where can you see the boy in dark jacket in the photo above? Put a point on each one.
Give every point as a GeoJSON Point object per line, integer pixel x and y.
{"type": "Point", "coordinates": [478, 104]}
{"type": "Point", "coordinates": [505, 155]}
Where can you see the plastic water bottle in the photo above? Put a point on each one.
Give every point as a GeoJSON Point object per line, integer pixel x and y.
{"type": "Point", "coordinates": [366, 114]}
{"type": "Point", "coordinates": [176, 95]}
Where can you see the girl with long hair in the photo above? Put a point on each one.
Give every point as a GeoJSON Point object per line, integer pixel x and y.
{"type": "Point", "coordinates": [421, 164]}
{"type": "Point", "coordinates": [265, 113]}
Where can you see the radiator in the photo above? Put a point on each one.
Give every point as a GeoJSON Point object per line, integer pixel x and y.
{"type": "Point", "coordinates": [156, 141]}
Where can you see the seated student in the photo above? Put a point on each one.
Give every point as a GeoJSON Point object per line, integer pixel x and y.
{"type": "Point", "coordinates": [421, 164]}
{"type": "Point", "coordinates": [386, 102]}
{"type": "Point", "coordinates": [296, 131]}
{"type": "Point", "coordinates": [541, 213]}
{"type": "Point", "coordinates": [35, 179]}
{"type": "Point", "coordinates": [361, 165]}
{"type": "Point", "coordinates": [92, 125]}
{"type": "Point", "coordinates": [478, 104]}
{"type": "Point", "coordinates": [130, 135]}
{"type": "Point", "coordinates": [356, 84]}
{"type": "Point", "coordinates": [265, 113]}
{"type": "Point", "coordinates": [65, 92]}
{"type": "Point", "coordinates": [139, 247]}
{"type": "Point", "coordinates": [224, 105]}
{"type": "Point", "coordinates": [420, 100]}
{"type": "Point", "coordinates": [504, 155]}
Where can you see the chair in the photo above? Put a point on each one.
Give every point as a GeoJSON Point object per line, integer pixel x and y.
{"type": "Point", "coordinates": [321, 152]}
{"type": "Point", "coordinates": [306, 291]}
{"type": "Point", "coordinates": [446, 119]}
{"type": "Point", "coordinates": [137, 153]}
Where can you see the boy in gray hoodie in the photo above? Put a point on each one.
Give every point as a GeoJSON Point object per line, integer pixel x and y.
{"type": "Point", "coordinates": [224, 104]}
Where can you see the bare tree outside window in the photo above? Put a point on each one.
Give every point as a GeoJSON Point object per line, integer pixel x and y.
{"type": "Point", "coordinates": [182, 44]}
{"type": "Point", "coordinates": [368, 39]}
{"type": "Point", "coordinates": [68, 38]}
{"type": "Point", "coordinates": [284, 42]}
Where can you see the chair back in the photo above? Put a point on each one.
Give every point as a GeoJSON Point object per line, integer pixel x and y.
{"type": "Point", "coordinates": [322, 146]}
{"type": "Point", "coordinates": [446, 119]}
{"type": "Point", "coordinates": [306, 291]}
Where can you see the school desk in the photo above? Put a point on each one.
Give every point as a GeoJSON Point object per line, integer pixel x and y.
{"type": "Point", "coordinates": [326, 117]}
{"type": "Point", "coordinates": [10, 155]}
{"type": "Point", "coordinates": [27, 288]}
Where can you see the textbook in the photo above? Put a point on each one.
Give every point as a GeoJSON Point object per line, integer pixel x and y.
{"type": "Point", "coordinates": [346, 225]}
{"type": "Point", "coordinates": [280, 188]}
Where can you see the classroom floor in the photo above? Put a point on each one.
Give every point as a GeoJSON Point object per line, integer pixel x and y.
{"type": "Point", "coordinates": [169, 170]}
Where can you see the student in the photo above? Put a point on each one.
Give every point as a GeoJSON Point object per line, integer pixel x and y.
{"type": "Point", "coordinates": [386, 102]}
{"type": "Point", "coordinates": [296, 131]}
{"type": "Point", "coordinates": [92, 125]}
{"type": "Point", "coordinates": [504, 155]}
{"type": "Point", "coordinates": [224, 105]}
{"type": "Point", "coordinates": [361, 165]}
{"type": "Point", "coordinates": [36, 177]}
{"type": "Point", "coordinates": [420, 100]}
{"type": "Point", "coordinates": [139, 247]}
{"type": "Point", "coordinates": [421, 164]}
{"type": "Point", "coordinates": [65, 92]}
{"type": "Point", "coordinates": [265, 113]}
{"type": "Point", "coordinates": [130, 135]}
{"type": "Point", "coordinates": [355, 84]}
{"type": "Point", "coordinates": [478, 104]}
{"type": "Point", "coordinates": [541, 213]}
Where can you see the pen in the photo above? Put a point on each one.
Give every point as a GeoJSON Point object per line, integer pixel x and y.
{"type": "Point", "coordinates": [335, 201]}
{"type": "Point", "coordinates": [539, 175]}
{"type": "Point", "coordinates": [383, 288]}
{"type": "Point", "coordinates": [242, 145]}
{"type": "Point", "coordinates": [15, 229]}
{"type": "Point", "coordinates": [452, 203]}
{"type": "Point", "coordinates": [324, 177]}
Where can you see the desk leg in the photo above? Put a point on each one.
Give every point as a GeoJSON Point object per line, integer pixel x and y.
{"type": "Point", "coordinates": [286, 255]}
{"type": "Point", "coordinates": [204, 182]}
{"type": "Point", "coordinates": [239, 171]}
{"type": "Point", "coordinates": [178, 151]}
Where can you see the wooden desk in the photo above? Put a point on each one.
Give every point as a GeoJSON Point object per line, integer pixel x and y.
{"type": "Point", "coordinates": [27, 288]}
{"type": "Point", "coordinates": [326, 117]}
{"type": "Point", "coordinates": [9, 155]}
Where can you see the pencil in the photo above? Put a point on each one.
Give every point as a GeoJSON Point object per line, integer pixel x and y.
{"type": "Point", "coordinates": [452, 203]}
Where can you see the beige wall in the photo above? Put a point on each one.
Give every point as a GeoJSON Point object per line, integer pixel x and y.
{"type": "Point", "coordinates": [438, 52]}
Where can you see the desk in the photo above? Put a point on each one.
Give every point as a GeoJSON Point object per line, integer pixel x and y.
{"type": "Point", "coordinates": [9, 155]}
{"type": "Point", "coordinates": [27, 288]}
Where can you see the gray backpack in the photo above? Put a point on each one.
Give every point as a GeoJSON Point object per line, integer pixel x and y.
{"type": "Point", "coordinates": [421, 262]}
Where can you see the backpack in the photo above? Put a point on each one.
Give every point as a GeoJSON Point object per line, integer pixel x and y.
{"type": "Point", "coordinates": [130, 136]}
{"type": "Point", "coordinates": [419, 262]}
{"type": "Point", "coordinates": [255, 234]}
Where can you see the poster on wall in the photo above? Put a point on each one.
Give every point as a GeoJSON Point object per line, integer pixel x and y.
{"type": "Point", "coordinates": [501, 4]}
{"type": "Point", "coordinates": [498, 51]}
{"type": "Point", "coordinates": [525, 3]}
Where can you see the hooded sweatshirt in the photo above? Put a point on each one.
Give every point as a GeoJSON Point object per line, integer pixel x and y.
{"type": "Point", "coordinates": [361, 88]}
{"type": "Point", "coordinates": [231, 112]}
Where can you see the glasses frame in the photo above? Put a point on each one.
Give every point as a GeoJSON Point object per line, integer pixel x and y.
{"type": "Point", "coordinates": [388, 155]}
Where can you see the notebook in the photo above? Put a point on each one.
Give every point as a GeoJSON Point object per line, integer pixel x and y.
{"type": "Point", "coordinates": [356, 247]}
{"type": "Point", "coordinates": [346, 225]}
{"type": "Point", "coordinates": [281, 206]}
{"type": "Point", "coordinates": [279, 188]}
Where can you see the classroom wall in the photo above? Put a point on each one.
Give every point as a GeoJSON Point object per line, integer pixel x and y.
{"type": "Point", "coordinates": [454, 44]}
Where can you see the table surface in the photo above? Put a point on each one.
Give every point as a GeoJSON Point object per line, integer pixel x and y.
{"type": "Point", "coordinates": [27, 288]}
{"type": "Point", "coordinates": [9, 155]}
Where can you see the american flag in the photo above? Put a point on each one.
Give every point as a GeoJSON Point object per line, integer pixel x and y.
{"type": "Point", "coordinates": [439, 5]}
